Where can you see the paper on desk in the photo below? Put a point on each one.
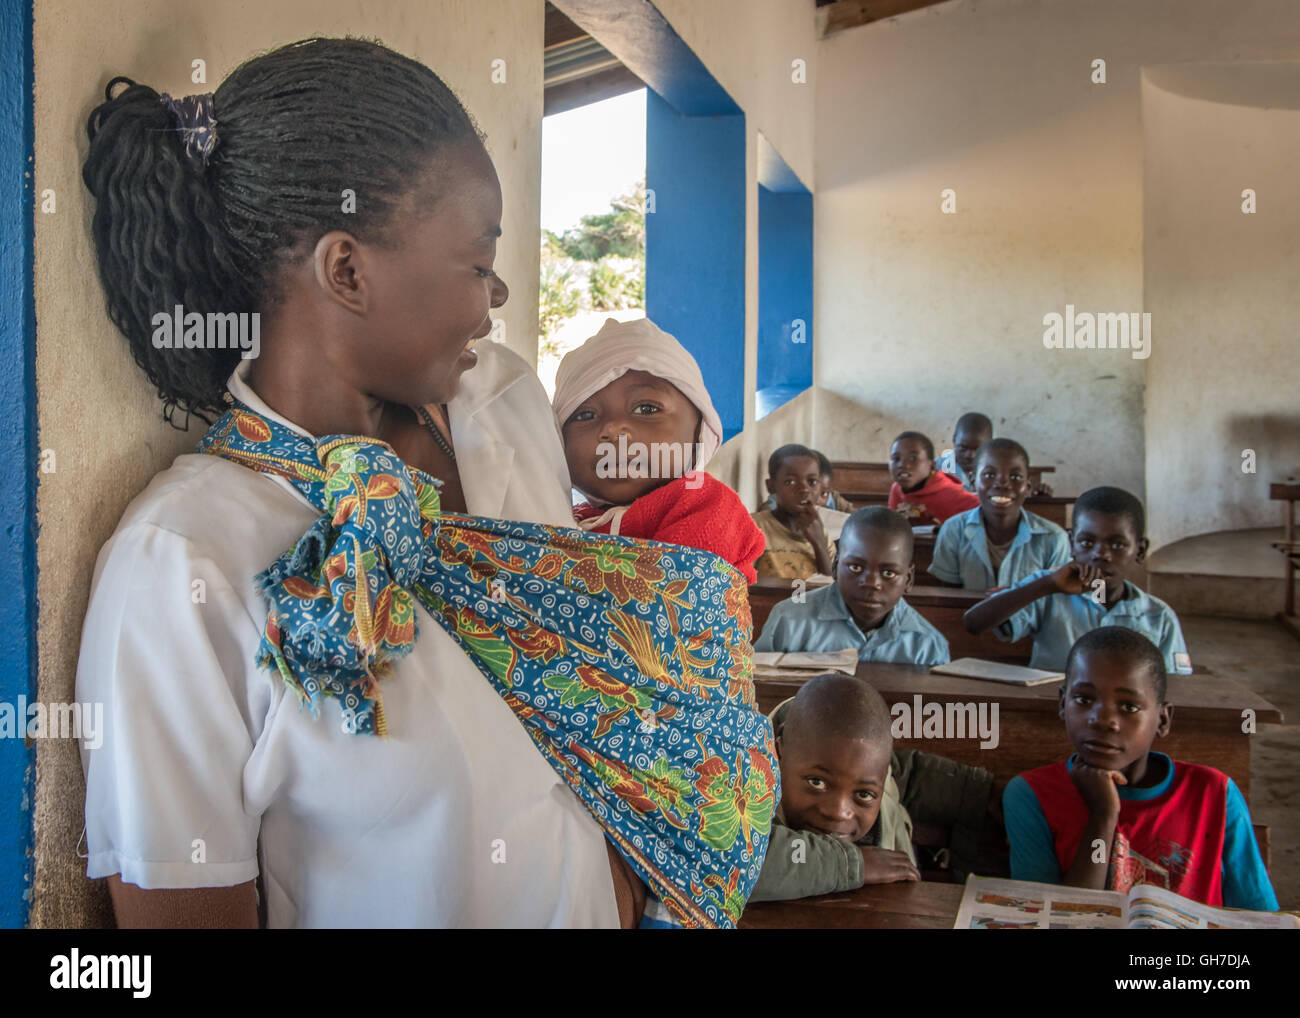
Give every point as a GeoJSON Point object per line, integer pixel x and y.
{"type": "Point", "coordinates": [995, 671]}
{"type": "Point", "coordinates": [833, 521]}
{"type": "Point", "coordinates": [924, 530]}
{"type": "Point", "coordinates": [773, 664]}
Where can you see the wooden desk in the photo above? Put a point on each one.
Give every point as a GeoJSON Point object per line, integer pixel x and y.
{"type": "Point", "coordinates": [919, 906]}
{"type": "Point", "coordinates": [1206, 728]}
{"type": "Point", "coordinates": [942, 607]}
{"type": "Point", "coordinates": [1056, 508]}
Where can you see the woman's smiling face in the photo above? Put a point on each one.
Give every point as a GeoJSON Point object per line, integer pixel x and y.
{"type": "Point", "coordinates": [430, 288]}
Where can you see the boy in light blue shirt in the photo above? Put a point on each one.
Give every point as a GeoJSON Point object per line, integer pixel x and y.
{"type": "Point", "coordinates": [863, 608]}
{"type": "Point", "coordinates": [999, 542]}
{"type": "Point", "coordinates": [1057, 606]}
{"type": "Point", "coordinates": [970, 434]}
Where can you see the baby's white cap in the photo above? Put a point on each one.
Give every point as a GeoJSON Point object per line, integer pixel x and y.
{"type": "Point", "coordinates": [638, 345]}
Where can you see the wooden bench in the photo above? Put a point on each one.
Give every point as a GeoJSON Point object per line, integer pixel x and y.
{"type": "Point", "coordinates": [1290, 547]}
{"type": "Point", "coordinates": [855, 476]}
{"type": "Point", "coordinates": [1207, 726]}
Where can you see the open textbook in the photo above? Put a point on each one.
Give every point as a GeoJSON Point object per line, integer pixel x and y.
{"type": "Point", "coordinates": [803, 665]}
{"type": "Point", "coordinates": [995, 904]}
{"type": "Point", "coordinates": [975, 668]}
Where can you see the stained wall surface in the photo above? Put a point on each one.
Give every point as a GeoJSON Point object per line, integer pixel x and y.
{"type": "Point", "coordinates": [922, 315]}
{"type": "Point", "coordinates": [97, 412]}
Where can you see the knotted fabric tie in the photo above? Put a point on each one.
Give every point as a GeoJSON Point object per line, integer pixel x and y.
{"type": "Point", "coordinates": [627, 662]}
{"type": "Point", "coordinates": [197, 122]}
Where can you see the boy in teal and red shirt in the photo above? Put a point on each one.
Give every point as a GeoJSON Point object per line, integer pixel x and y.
{"type": "Point", "coordinates": [1117, 814]}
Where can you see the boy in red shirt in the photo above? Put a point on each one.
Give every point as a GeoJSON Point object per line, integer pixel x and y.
{"type": "Point", "coordinates": [638, 426]}
{"type": "Point", "coordinates": [1117, 814]}
{"type": "Point", "coordinates": [920, 492]}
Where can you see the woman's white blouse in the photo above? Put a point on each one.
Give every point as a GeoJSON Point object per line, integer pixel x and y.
{"type": "Point", "coordinates": [209, 772]}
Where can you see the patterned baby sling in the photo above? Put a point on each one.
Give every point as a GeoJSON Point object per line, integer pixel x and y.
{"type": "Point", "coordinates": [628, 662]}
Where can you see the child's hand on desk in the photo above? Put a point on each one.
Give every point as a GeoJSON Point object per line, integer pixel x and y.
{"type": "Point", "coordinates": [1098, 788]}
{"type": "Point", "coordinates": [885, 866]}
{"type": "Point", "coordinates": [1073, 578]}
{"type": "Point", "coordinates": [1041, 489]}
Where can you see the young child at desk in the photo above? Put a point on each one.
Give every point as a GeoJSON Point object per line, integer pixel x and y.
{"type": "Point", "coordinates": [847, 800]}
{"type": "Point", "coordinates": [1178, 825]}
{"type": "Point", "coordinates": [638, 426]}
{"type": "Point", "coordinates": [972, 431]}
{"type": "Point", "coordinates": [829, 499]}
{"type": "Point", "coordinates": [863, 608]}
{"type": "Point", "coordinates": [921, 493]}
{"type": "Point", "coordinates": [1000, 542]}
{"type": "Point", "coordinates": [1057, 606]}
{"type": "Point", "coordinates": [797, 545]}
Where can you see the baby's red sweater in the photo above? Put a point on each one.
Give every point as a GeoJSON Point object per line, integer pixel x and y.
{"type": "Point", "coordinates": [940, 497]}
{"type": "Point", "coordinates": [697, 511]}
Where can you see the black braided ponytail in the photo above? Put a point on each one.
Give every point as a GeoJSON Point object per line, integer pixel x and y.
{"type": "Point", "coordinates": [294, 128]}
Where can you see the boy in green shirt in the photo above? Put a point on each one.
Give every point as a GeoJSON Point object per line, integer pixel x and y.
{"type": "Point", "coordinates": [842, 822]}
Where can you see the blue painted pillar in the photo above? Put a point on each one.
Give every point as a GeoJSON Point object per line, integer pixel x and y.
{"type": "Point", "coordinates": [695, 244]}
{"type": "Point", "coordinates": [18, 456]}
{"type": "Point", "coordinates": [785, 294]}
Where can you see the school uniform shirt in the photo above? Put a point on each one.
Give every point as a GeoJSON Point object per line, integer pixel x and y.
{"type": "Point", "coordinates": [1190, 833]}
{"type": "Point", "coordinates": [210, 774]}
{"type": "Point", "coordinates": [961, 551]}
{"type": "Point", "coordinates": [940, 497]}
{"type": "Point", "coordinates": [947, 462]}
{"type": "Point", "coordinates": [785, 554]}
{"type": "Point", "coordinates": [823, 622]}
{"type": "Point", "coordinates": [1057, 620]}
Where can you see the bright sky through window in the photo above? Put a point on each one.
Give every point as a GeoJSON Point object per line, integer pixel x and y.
{"type": "Point", "coordinates": [590, 155]}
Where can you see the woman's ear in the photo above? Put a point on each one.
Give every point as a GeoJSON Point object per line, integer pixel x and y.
{"type": "Point", "coordinates": [338, 264]}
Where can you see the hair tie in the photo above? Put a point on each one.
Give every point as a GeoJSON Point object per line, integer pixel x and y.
{"type": "Point", "coordinates": [197, 123]}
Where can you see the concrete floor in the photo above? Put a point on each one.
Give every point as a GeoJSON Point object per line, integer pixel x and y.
{"type": "Point", "coordinates": [1265, 657]}
{"type": "Point", "coordinates": [1227, 553]}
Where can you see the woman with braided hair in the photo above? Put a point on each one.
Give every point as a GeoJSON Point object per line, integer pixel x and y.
{"type": "Point", "coordinates": [495, 720]}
